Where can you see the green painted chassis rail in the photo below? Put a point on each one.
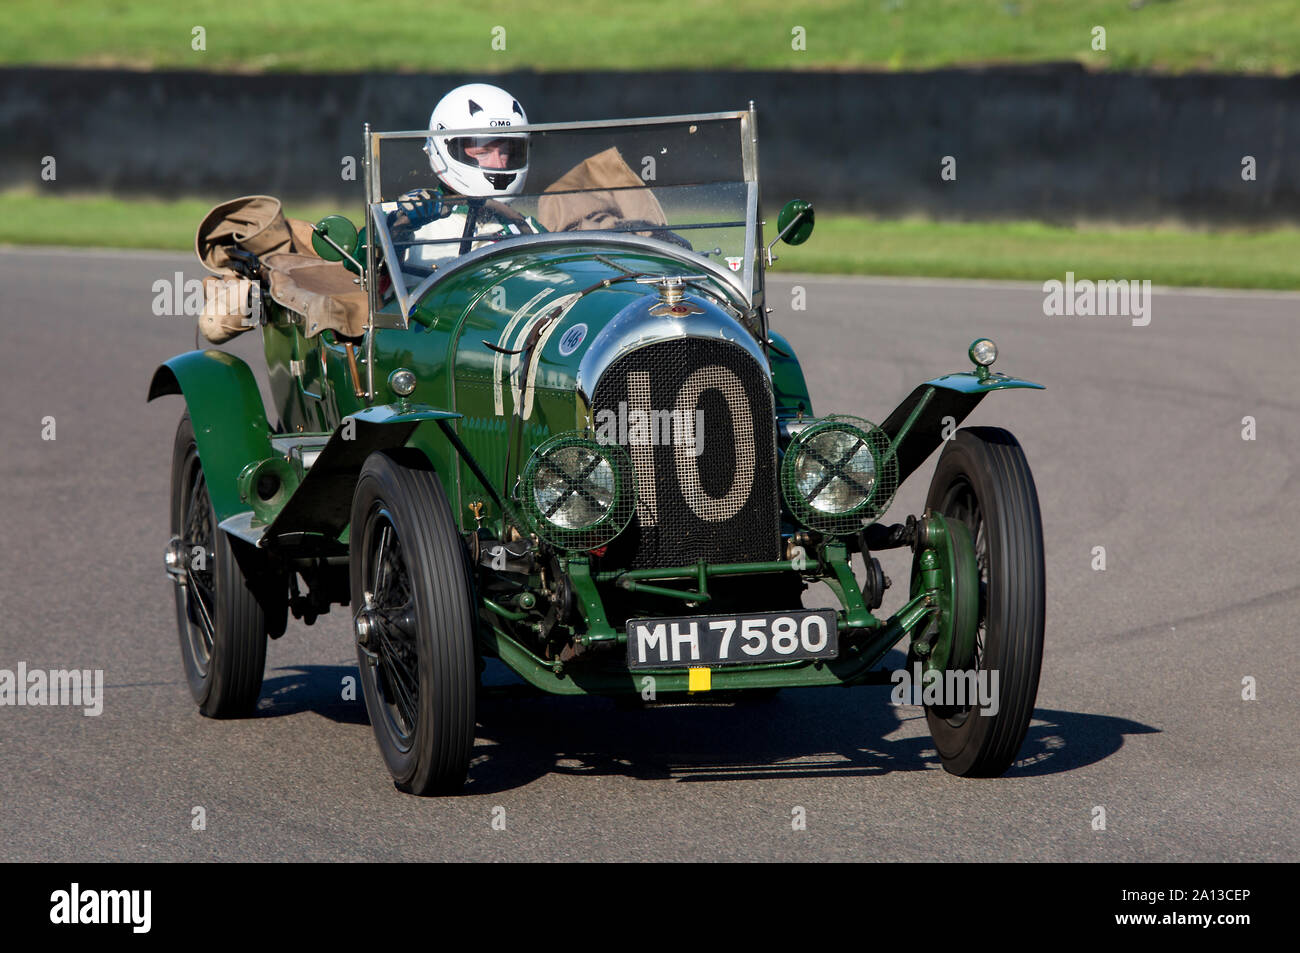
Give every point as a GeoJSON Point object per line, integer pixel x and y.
{"type": "Point", "coordinates": [864, 639]}
{"type": "Point", "coordinates": [854, 667]}
{"type": "Point", "coordinates": [838, 575]}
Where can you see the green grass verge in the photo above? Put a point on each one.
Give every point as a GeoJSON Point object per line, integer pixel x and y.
{"type": "Point", "coordinates": [414, 35]}
{"type": "Point", "coordinates": [840, 245]}
{"type": "Point", "coordinates": [1034, 252]}
{"type": "Point", "coordinates": [27, 218]}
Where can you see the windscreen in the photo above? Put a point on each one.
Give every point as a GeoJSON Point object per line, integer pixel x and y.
{"type": "Point", "coordinates": [678, 181]}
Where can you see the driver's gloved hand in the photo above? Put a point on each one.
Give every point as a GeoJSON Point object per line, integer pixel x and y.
{"type": "Point", "coordinates": [420, 212]}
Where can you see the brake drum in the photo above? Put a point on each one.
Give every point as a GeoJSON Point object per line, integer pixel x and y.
{"type": "Point", "coordinates": [953, 647]}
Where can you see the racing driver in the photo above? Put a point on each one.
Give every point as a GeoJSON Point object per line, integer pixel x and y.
{"type": "Point", "coordinates": [478, 175]}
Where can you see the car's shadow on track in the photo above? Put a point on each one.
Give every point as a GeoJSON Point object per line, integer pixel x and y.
{"type": "Point", "coordinates": [1060, 741]}
{"type": "Point", "coordinates": [315, 688]}
{"type": "Point", "coordinates": [523, 735]}
{"type": "Point", "coordinates": [801, 733]}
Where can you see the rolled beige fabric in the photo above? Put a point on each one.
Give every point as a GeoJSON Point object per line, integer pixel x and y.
{"type": "Point", "coordinates": [255, 223]}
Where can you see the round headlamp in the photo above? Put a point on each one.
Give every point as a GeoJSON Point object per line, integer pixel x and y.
{"type": "Point", "coordinates": [838, 474]}
{"type": "Point", "coordinates": [578, 493]}
{"type": "Point", "coordinates": [402, 382]}
{"type": "Point", "coordinates": [983, 352]}
{"type": "Point", "coordinates": [834, 471]}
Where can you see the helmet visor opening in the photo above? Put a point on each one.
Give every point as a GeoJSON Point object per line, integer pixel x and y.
{"type": "Point", "coordinates": [490, 153]}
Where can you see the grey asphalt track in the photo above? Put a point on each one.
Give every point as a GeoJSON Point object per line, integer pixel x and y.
{"type": "Point", "coordinates": [1136, 447]}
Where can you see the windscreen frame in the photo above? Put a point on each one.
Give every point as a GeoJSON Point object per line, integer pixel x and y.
{"type": "Point", "coordinates": [748, 282]}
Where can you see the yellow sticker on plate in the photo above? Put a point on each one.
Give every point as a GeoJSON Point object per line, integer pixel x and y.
{"type": "Point", "coordinates": [699, 679]}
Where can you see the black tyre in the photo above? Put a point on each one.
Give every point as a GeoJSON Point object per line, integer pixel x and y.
{"type": "Point", "coordinates": [221, 624]}
{"type": "Point", "coordinates": [414, 622]}
{"type": "Point", "coordinates": [983, 479]}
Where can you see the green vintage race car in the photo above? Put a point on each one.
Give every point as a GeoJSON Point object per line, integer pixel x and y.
{"type": "Point", "coordinates": [576, 446]}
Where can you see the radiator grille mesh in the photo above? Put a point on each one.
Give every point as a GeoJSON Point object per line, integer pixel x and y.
{"type": "Point", "coordinates": [696, 417]}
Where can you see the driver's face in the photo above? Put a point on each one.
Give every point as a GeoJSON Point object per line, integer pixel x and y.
{"type": "Point", "coordinates": [490, 155]}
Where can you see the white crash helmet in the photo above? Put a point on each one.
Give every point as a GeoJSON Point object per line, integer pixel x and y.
{"type": "Point", "coordinates": [475, 106]}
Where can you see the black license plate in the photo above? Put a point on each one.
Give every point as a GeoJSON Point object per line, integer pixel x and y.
{"type": "Point", "coordinates": [707, 640]}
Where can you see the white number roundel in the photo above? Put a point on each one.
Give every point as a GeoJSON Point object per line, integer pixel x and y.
{"type": "Point", "coordinates": [688, 455]}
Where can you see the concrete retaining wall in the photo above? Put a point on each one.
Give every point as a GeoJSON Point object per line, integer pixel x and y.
{"type": "Point", "coordinates": [1053, 142]}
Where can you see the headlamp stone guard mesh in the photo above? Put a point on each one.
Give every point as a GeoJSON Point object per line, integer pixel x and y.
{"type": "Point", "coordinates": [574, 473]}
{"type": "Point", "coordinates": [882, 490]}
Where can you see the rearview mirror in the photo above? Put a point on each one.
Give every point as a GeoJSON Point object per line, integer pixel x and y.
{"type": "Point", "coordinates": [795, 223]}
{"type": "Point", "coordinates": [334, 238]}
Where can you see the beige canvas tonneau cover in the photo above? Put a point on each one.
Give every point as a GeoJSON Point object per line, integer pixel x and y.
{"type": "Point", "coordinates": [602, 191]}
{"type": "Point", "coordinates": [324, 292]}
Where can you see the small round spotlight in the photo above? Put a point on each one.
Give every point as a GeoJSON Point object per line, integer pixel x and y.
{"type": "Point", "coordinates": [983, 352]}
{"type": "Point", "coordinates": [402, 382]}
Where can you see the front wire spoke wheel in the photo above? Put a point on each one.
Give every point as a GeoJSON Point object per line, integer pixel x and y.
{"type": "Point", "coordinates": [983, 480]}
{"type": "Point", "coordinates": [415, 623]}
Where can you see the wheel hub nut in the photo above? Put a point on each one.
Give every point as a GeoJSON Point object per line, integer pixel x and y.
{"type": "Point", "coordinates": [365, 628]}
{"type": "Point", "coordinates": [174, 558]}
